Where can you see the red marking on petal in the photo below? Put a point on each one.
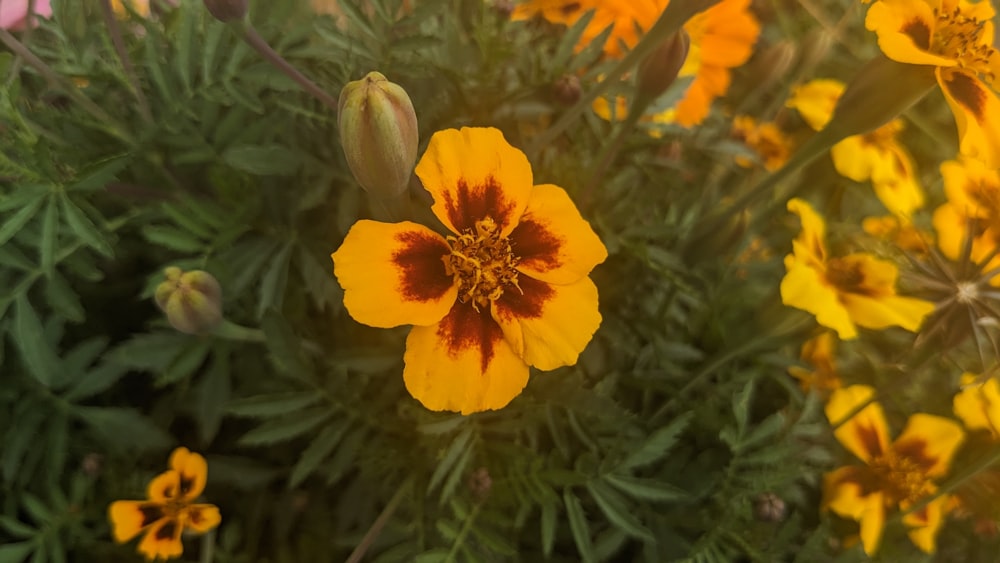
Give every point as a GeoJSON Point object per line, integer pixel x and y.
{"type": "Point", "coordinates": [473, 203]}
{"type": "Point", "coordinates": [464, 328]}
{"type": "Point", "coordinates": [150, 513]}
{"type": "Point", "coordinates": [529, 302]}
{"type": "Point", "coordinates": [916, 451]}
{"type": "Point", "coordinates": [536, 246]}
{"type": "Point", "coordinates": [869, 438]}
{"type": "Point", "coordinates": [423, 273]}
{"type": "Point", "coordinates": [967, 91]}
{"type": "Point", "coordinates": [187, 483]}
{"type": "Point", "coordinates": [167, 530]}
{"type": "Point", "coordinates": [917, 30]}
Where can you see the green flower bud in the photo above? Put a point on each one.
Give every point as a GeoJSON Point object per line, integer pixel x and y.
{"type": "Point", "coordinates": [659, 69]}
{"type": "Point", "coordinates": [378, 130]}
{"type": "Point", "coordinates": [227, 10]}
{"type": "Point", "coordinates": [191, 300]}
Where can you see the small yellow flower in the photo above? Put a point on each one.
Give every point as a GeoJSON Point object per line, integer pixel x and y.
{"type": "Point", "coordinates": [169, 509]}
{"type": "Point", "coordinates": [956, 38]}
{"type": "Point", "coordinates": [899, 231]}
{"type": "Point", "coordinates": [973, 200]}
{"type": "Point", "coordinates": [140, 7]}
{"type": "Point", "coordinates": [766, 139]}
{"type": "Point", "coordinates": [877, 156]}
{"type": "Point", "coordinates": [818, 351]}
{"type": "Point", "coordinates": [508, 288]}
{"type": "Point", "coordinates": [978, 405]}
{"type": "Point", "coordinates": [844, 292]}
{"type": "Point", "coordinates": [897, 475]}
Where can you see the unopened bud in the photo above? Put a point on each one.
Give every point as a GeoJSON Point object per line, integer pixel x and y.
{"type": "Point", "coordinates": [378, 130]}
{"type": "Point", "coordinates": [227, 10]}
{"type": "Point", "coordinates": [191, 300]}
{"type": "Point", "coordinates": [769, 508]}
{"type": "Point", "coordinates": [659, 69]}
{"type": "Point", "coordinates": [773, 64]}
{"type": "Point", "coordinates": [567, 90]}
{"type": "Point", "coordinates": [480, 483]}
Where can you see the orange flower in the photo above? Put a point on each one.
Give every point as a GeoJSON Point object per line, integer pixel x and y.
{"type": "Point", "coordinates": [973, 199]}
{"type": "Point", "coordinates": [169, 509]}
{"type": "Point", "coordinates": [507, 289]}
{"type": "Point", "coordinates": [766, 139]}
{"type": "Point", "coordinates": [818, 351]}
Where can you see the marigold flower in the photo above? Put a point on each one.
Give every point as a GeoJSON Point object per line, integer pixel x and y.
{"type": "Point", "coordinates": [818, 352]}
{"type": "Point", "coordinates": [973, 200]}
{"type": "Point", "coordinates": [721, 38]}
{"type": "Point", "coordinates": [507, 289]}
{"type": "Point", "coordinates": [955, 37]}
{"type": "Point", "coordinates": [14, 13]}
{"type": "Point", "coordinates": [899, 231]}
{"type": "Point", "coordinates": [900, 474]}
{"type": "Point", "coordinates": [169, 509]}
{"type": "Point", "coordinates": [844, 292]}
{"type": "Point", "coordinates": [978, 405]}
{"type": "Point", "coordinates": [140, 7]}
{"type": "Point", "coordinates": [875, 156]}
{"type": "Point", "coordinates": [765, 138]}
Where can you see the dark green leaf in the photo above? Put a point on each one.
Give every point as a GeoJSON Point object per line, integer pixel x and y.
{"type": "Point", "coordinates": [36, 352]}
{"type": "Point", "coordinates": [84, 228]}
{"type": "Point", "coordinates": [124, 428]}
{"type": "Point", "coordinates": [447, 463]}
{"type": "Point", "coordinates": [263, 406]}
{"type": "Point", "coordinates": [578, 526]}
{"type": "Point", "coordinates": [617, 511]}
{"type": "Point", "coordinates": [318, 450]}
{"type": "Point", "coordinates": [50, 236]}
{"type": "Point", "coordinates": [174, 239]}
{"type": "Point", "coordinates": [285, 428]}
{"type": "Point", "coordinates": [15, 223]}
{"type": "Point", "coordinates": [648, 490]}
{"type": "Point", "coordinates": [16, 552]}
{"type": "Point", "coordinates": [658, 444]}
{"type": "Point", "coordinates": [263, 160]}
{"type": "Point", "coordinates": [272, 287]}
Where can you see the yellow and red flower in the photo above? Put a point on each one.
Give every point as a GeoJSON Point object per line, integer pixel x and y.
{"type": "Point", "coordinates": [956, 38]}
{"type": "Point", "coordinates": [819, 353]}
{"type": "Point", "coordinates": [169, 510]}
{"type": "Point", "coordinates": [899, 475]}
{"type": "Point", "coordinates": [973, 201]}
{"type": "Point", "coordinates": [844, 292]}
{"type": "Point", "coordinates": [508, 288]}
{"type": "Point", "coordinates": [766, 139]}
{"type": "Point", "coordinates": [898, 231]}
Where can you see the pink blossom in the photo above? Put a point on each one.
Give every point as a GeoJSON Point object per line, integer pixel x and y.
{"type": "Point", "coordinates": [14, 13]}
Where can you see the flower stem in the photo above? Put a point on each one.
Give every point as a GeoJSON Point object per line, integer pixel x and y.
{"type": "Point", "coordinates": [673, 17]}
{"type": "Point", "coordinates": [611, 149]}
{"type": "Point", "coordinates": [254, 39]}
{"type": "Point", "coordinates": [376, 527]}
{"type": "Point", "coordinates": [207, 554]}
{"type": "Point", "coordinates": [116, 40]}
{"type": "Point", "coordinates": [229, 330]}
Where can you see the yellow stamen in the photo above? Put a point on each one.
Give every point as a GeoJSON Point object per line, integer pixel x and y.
{"type": "Point", "coordinates": [482, 263]}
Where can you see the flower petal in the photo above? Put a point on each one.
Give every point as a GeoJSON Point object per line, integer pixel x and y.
{"type": "Point", "coordinates": [201, 517]}
{"type": "Point", "coordinates": [393, 274]}
{"type": "Point", "coordinates": [978, 405]}
{"type": "Point", "coordinates": [163, 540]}
{"type": "Point", "coordinates": [977, 113]}
{"type": "Point", "coordinates": [884, 311]}
{"type": "Point", "coordinates": [815, 100]}
{"type": "Point", "coordinates": [462, 363]}
{"type": "Point", "coordinates": [845, 489]}
{"type": "Point", "coordinates": [803, 287]}
{"type": "Point", "coordinates": [164, 487]}
{"type": "Point", "coordinates": [192, 472]}
{"type": "Point", "coordinates": [905, 29]}
{"type": "Point", "coordinates": [129, 517]}
{"type": "Point", "coordinates": [873, 522]}
{"type": "Point", "coordinates": [931, 441]}
{"type": "Point", "coordinates": [552, 241]}
{"type": "Point", "coordinates": [865, 434]}
{"type": "Point", "coordinates": [925, 523]}
{"type": "Point", "coordinates": [473, 174]}
{"type": "Point", "coordinates": [809, 245]}
{"type": "Point", "coordinates": [549, 325]}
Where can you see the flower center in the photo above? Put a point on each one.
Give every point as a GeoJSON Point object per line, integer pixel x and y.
{"type": "Point", "coordinates": [901, 478]}
{"type": "Point", "coordinates": [962, 38]}
{"type": "Point", "coordinates": [482, 262]}
{"type": "Point", "coordinates": [846, 276]}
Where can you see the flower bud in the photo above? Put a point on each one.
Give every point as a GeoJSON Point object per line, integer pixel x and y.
{"type": "Point", "coordinates": [567, 90]}
{"type": "Point", "coordinates": [227, 10]}
{"type": "Point", "coordinates": [191, 300]}
{"type": "Point", "coordinates": [378, 130]}
{"type": "Point", "coordinates": [659, 69]}
{"type": "Point", "coordinates": [773, 64]}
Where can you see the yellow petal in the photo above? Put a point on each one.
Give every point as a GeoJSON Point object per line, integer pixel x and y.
{"type": "Point", "coordinates": [473, 174]}
{"type": "Point", "coordinates": [855, 159]}
{"type": "Point", "coordinates": [129, 517]}
{"type": "Point", "coordinates": [865, 434]}
{"type": "Point", "coordinates": [897, 186]}
{"type": "Point", "coordinates": [951, 227]}
{"type": "Point", "coordinates": [549, 325]}
{"type": "Point", "coordinates": [873, 522]}
{"type": "Point", "coordinates": [192, 472]}
{"type": "Point", "coordinates": [803, 287]}
{"type": "Point", "coordinates": [905, 29]}
{"type": "Point", "coordinates": [462, 363]}
{"type": "Point", "coordinates": [201, 517]}
{"type": "Point", "coordinates": [815, 100]}
{"type": "Point", "coordinates": [393, 274]}
{"type": "Point", "coordinates": [885, 311]}
{"type": "Point", "coordinates": [925, 523]}
{"type": "Point", "coordinates": [977, 113]}
{"type": "Point", "coordinates": [844, 491]}
{"type": "Point", "coordinates": [971, 187]}
{"type": "Point", "coordinates": [978, 405]}
{"type": "Point", "coordinates": [164, 487]}
{"type": "Point", "coordinates": [930, 441]}
{"type": "Point", "coordinates": [552, 241]}
{"type": "Point", "coordinates": [810, 242]}
{"type": "Point", "coordinates": [163, 540]}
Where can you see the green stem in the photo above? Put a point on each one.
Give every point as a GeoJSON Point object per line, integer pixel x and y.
{"type": "Point", "coordinates": [111, 22]}
{"type": "Point", "coordinates": [612, 148]}
{"type": "Point", "coordinates": [380, 522]}
{"type": "Point", "coordinates": [207, 554]}
{"type": "Point", "coordinates": [671, 20]}
{"type": "Point", "coordinates": [460, 539]}
{"type": "Point", "coordinates": [229, 330]}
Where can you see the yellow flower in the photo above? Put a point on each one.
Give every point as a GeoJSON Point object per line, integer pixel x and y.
{"type": "Point", "coordinates": [844, 292]}
{"type": "Point", "coordinates": [978, 405]}
{"type": "Point", "coordinates": [900, 474]}
{"type": "Point", "coordinates": [140, 7]}
{"type": "Point", "coordinates": [722, 37]}
{"type": "Point", "coordinates": [507, 289]}
{"type": "Point", "coordinates": [875, 156]}
{"type": "Point", "coordinates": [955, 37]}
{"type": "Point", "coordinates": [819, 352]}
{"type": "Point", "coordinates": [973, 199]}
{"type": "Point", "coordinates": [169, 509]}
{"type": "Point", "coordinates": [765, 139]}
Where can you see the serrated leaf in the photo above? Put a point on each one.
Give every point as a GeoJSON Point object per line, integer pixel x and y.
{"type": "Point", "coordinates": [50, 236]}
{"type": "Point", "coordinates": [263, 160]}
{"type": "Point", "coordinates": [741, 407]}
{"type": "Point", "coordinates": [124, 428]}
{"type": "Point", "coordinates": [212, 397]}
{"type": "Point", "coordinates": [548, 527]}
{"type": "Point", "coordinates": [578, 526]}
{"type": "Point", "coordinates": [442, 426]}
{"type": "Point", "coordinates": [174, 239]}
{"type": "Point", "coordinates": [452, 454]}
{"type": "Point", "coordinates": [272, 287]}
{"type": "Point", "coordinates": [95, 381]}
{"type": "Point", "coordinates": [99, 174]}
{"type": "Point", "coordinates": [285, 347]}
{"type": "Point", "coordinates": [150, 352]}
{"type": "Point", "coordinates": [190, 359]}
{"type": "Point", "coordinates": [658, 444]}
{"type": "Point", "coordinates": [285, 428]}
{"type": "Point", "coordinates": [12, 225]}
{"type": "Point", "coordinates": [84, 228]}
{"type": "Point", "coordinates": [648, 490]}
{"type": "Point", "coordinates": [437, 555]}
{"type": "Point", "coordinates": [455, 475]}
{"type": "Point", "coordinates": [29, 337]}
{"type": "Point", "coordinates": [318, 450]}
{"type": "Point", "coordinates": [617, 511]}
{"type": "Point", "coordinates": [766, 429]}
{"type": "Point", "coordinates": [63, 299]}
{"type": "Point", "coordinates": [570, 38]}
{"type": "Point", "coordinates": [263, 406]}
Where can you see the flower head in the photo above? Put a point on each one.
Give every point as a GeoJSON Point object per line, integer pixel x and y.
{"type": "Point", "coordinates": [844, 292]}
{"type": "Point", "coordinates": [877, 156]}
{"type": "Point", "coordinates": [978, 405]}
{"type": "Point", "coordinates": [508, 288]}
{"type": "Point", "coordinates": [898, 474]}
{"type": "Point", "coordinates": [14, 13]}
{"type": "Point", "coordinates": [818, 352]}
{"type": "Point", "coordinates": [956, 38]}
{"type": "Point", "coordinates": [973, 201]}
{"type": "Point", "coordinates": [169, 510]}
{"type": "Point", "coordinates": [766, 139]}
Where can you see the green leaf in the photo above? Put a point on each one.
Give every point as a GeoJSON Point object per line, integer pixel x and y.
{"type": "Point", "coordinates": [615, 508]}
{"type": "Point", "coordinates": [548, 527]}
{"type": "Point", "coordinates": [150, 352]}
{"type": "Point", "coordinates": [455, 476]}
{"type": "Point", "coordinates": [263, 160]}
{"type": "Point", "coordinates": [212, 397]}
{"type": "Point", "coordinates": [174, 239]}
{"type": "Point", "coordinates": [12, 225]}
{"type": "Point", "coordinates": [285, 348]}
{"type": "Point", "coordinates": [318, 450]}
{"type": "Point", "coordinates": [455, 450]}
{"type": "Point", "coordinates": [658, 444]}
{"type": "Point", "coordinates": [63, 299]}
{"type": "Point", "coordinates": [29, 336]}
{"type": "Point", "coordinates": [569, 40]}
{"type": "Point", "coordinates": [35, 508]}
{"type": "Point", "coordinates": [99, 174]}
{"type": "Point", "coordinates": [186, 363]}
{"type": "Point", "coordinates": [124, 428]}
{"type": "Point", "coordinates": [95, 381]}
{"type": "Point", "coordinates": [264, 406]}
{"type": "Point", "coordinates": [16, 528]}
{"type": "Point", "coordinates": [648, 490]}
{"type": "Point", "coordinates": [84, 228]}
{"type": "Point", "coordinates": [768, 428]}
{"type": "Point", "coordinates": [272, 287]}
{"type": "Point", "coordinates": [285, 428]}
{"type": "Point", "coordinates": [578, 526]}
{"type": "Point", "coordinates": [16, 552]}
{"type": "Point", "coordinates": [50, 236]}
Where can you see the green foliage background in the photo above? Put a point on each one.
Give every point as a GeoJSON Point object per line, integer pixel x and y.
{"type": "Point", "coordinates": [659, 445]}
